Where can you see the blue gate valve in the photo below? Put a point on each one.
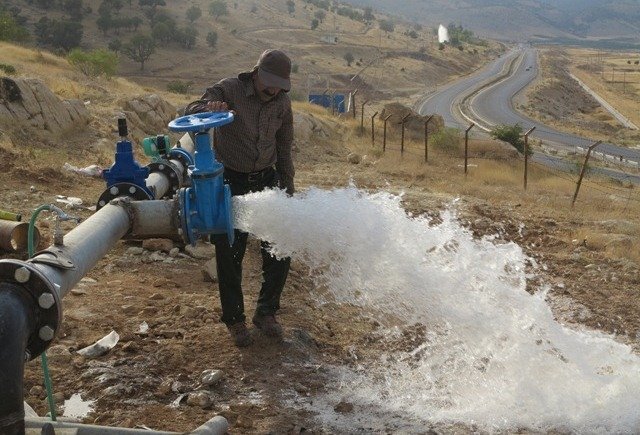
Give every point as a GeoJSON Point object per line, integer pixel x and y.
{"type": "Point", "coordinates": [205, 207]}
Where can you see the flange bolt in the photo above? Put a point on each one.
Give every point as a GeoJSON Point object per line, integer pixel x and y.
{"type": "Point", "coordinates": [46, 333]}
{"type": "Point", "coordinates": [22, 275]}
{"type": "Point", "coordinates": [46, 301]}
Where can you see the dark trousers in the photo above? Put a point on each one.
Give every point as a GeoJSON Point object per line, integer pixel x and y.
{"type": "Point", "coordinates": [229, 258]}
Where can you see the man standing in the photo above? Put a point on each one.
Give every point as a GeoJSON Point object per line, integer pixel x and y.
{"type": "Point", "coordinates": [255, 150]}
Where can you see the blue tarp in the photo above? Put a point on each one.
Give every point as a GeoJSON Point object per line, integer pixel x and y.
{"type": "Point", "coordinates": [325, 101]}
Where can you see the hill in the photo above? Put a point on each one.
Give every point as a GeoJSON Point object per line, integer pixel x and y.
{"type": "Point", "coordinates": [405, 59]}
{"type": "Point", "coordinates": [575, 20]}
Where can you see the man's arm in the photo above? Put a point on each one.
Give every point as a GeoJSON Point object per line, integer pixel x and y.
{"type": "Point", "coordinates": [211, 101]}
{"type": "Point", "coordinates": [284, 141]}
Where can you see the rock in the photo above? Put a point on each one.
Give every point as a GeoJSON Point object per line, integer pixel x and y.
{"type": "Point", "coordinates": [354, 158]}
{"type": "Point", "coordinates": [343, 407]}
{"type": "Point", "coordinates": [209, 271]}
{"type": "Point", "coordinates": [164, 245]}
{"type": "Point", "coordinates": [135, 250]}
{"type": "Point", "coordinates": [157, 256]}
{"type": "Point", "coordinates": [211, 377]}
{"type": "Point", "coordinates": [156, 297]}
{"type": "Point", "coordinates": [148, 114]}
{"type": "Point", "coordinates": [88, 280]}
{"type": "Point", "coordinates": [202, 250]}
{"type": "Point", "coordinates": [28, 101]}
{"type": "Point", "coordinates": [164, 389]}
{"type": "Point", "coordinates": [37, 391]}
{"type": "Point", "coordinates": [78, 292]}
{"type": "Point", "coordinates": [129, 310]}
{"type": "Point", "coordinates": [200, 398]}
{"type": "Point", "coordinates": [174, 252]}
{"type": "Point", "coordinates": [59, 353]}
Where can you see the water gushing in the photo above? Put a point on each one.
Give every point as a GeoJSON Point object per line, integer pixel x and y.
{"type": "Point", "coordinates": [493, 355]}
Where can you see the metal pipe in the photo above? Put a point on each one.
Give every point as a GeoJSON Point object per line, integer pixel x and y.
{"type": "Point", "coordinates": [158, 183]}
{"type": "Point", "coordinates": [17, 320]}
{"type": "Point", "coordinates": [13, 236]}
{"type": "Point", "coordinates": [218, 425]}
{"type": "Point", "coordinates": [10, 216]}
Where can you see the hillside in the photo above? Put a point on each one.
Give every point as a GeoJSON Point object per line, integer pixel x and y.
{"type": "Point", "coordinates": [387, 64]}
{"type": "Point", "coordinates": [527, 20]}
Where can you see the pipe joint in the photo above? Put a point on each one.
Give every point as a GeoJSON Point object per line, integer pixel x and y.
{"type": "Point", "coordinates": [45, 303]}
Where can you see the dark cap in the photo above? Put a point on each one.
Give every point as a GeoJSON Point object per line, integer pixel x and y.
{"type": "Point", "coordinates": [274, 69]}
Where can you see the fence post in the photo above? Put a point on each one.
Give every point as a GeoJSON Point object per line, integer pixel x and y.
{"type": "Point", "coordinates": [426, 138]}
{"type": "Point", "coordinates": [384, 134]}
{"type": "Point", "coordinates": [584, 168]}
{"type": "Point", "coordinates": [526, 155]}
{"type": "Point", "coordinates": [373, 130]}
{"type": "Point", "coordinates": [403, 121]}
{"type": "Point", "coordinates": [362, 116]}
{"type": "Point", "coordinates": [333, 103]}
{"type": "Point", "coordinates": [466, 147]}
{"type": "Point", "coordinates": [353, 103]}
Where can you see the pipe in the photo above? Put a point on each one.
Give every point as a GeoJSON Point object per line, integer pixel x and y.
{"type": "Point", "coordinates": [13, 236]}
{"type": "Point", "coordinates": [218, 425]}
{"type": "Point", "coordinates": [86, 244]}
{"type": "Point", "coordinates": [17, 320]}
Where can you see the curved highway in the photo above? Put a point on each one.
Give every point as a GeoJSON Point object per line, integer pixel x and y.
{"type": "Point", "coordinates": [491, 105]}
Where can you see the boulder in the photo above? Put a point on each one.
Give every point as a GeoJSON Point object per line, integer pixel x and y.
{"type": "Point", "coordinates": [148, 115]}
{"type": "Point", "coordinates": [28, 101]}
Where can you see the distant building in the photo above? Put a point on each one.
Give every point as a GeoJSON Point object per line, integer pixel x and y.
{"type": "Point", "coordinates": [443, 34]}
{"type": "Point", "coordinates": [329, 39]}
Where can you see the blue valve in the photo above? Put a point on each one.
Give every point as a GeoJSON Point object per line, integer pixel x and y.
{"type": "Point", "coordinates": [205, 207]}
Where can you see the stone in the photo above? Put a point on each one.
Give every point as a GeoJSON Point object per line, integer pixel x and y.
{"type": "Point", "coordinates": [156, 297]}
{"type": "Point", "coordinates": [164, 245]}
{"type": "Point", "coordinates": [37, 391]}
{"type": "Point", "coordinates": [78, 292]}
{"type": "Point", "coordinates": [174, 252]}
{"type": "Point", "coordinates": [209, 271]}
{"type": "Point", "coordinates": [200, 398]}
{"type": "Point", "coordinates": [343, 407]}
{"type": "Point", "coordinates": [202, 250]}
{"type": "Point", "coordinates": [135, 250]}
{"type": "Point", "coordinates": [211, 377]}
{"type": "Point", "coordinates": [354, 158]}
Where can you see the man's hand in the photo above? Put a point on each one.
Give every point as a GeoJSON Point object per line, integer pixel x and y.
{"type": "Point", "coordinates": [217, 106]}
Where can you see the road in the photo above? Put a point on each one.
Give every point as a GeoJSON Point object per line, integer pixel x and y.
{"type": "Point", "coordinates": [486, 98]}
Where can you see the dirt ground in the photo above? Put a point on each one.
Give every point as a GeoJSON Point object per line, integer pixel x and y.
{"type": "Point", "coordinates": [263, 387]}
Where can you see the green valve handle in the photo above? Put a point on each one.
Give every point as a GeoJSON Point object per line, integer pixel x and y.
{"type": "Point", "coordinates": [156, 146]}
{"type": "Point", "coordinates": [8, 216]}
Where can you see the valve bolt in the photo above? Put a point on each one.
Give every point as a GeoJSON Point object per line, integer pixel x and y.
{"type": "Point", "coordinates": [46, 301]}
{"type": "Point", "coordinates": [22, 275]}
{"type": "Point", "coordinates": [46, 333]}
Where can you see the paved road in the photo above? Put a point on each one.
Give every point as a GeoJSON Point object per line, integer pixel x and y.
{"type": "Point", "coordinates": [490, 104]}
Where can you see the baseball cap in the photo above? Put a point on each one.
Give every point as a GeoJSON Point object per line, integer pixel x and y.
{"type": "Point", "coordinates": [274, 69]}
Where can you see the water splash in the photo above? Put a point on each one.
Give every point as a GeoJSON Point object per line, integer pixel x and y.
{"type": "Point", "coordinates": [443, 34]}
{"type": "Point", "coordinates": [493, 357]}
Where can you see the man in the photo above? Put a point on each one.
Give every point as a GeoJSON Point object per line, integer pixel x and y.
{"type": "Point", "coordinates": [255, 150]}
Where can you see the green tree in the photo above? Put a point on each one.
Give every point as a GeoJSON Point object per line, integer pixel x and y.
{"type": "Point", "coordinates": [291, 7]}
{"type": "Point", "coordinates": [162, 32]}
{"type": "Point", "coordinates": [139, 49]}
{"type": "Point", "coordinates": [386, 25]}
{"type": "Point", "coordinates": [511, 134]}
{"type": "Point", "coordinates": [368, 14]}
{"type": "Point", "coordinates": [348, 57]}
{"type": "Point", "coordinates": [314, 24]}
{"type": "Point", "coordinates": [193, 13]}
{"type": "Point", "coordinates": [115, 46]}
{"type": "Point", "coordinates": [186, 37]}
{"type": "Point", "coordinates": [218, 8]}
{"type": "Point", "coordinates": [320, 15]}
{"type": "Point", "coordinates": [58, 34]}
{"type": "Point", "coordinates": [74, 8]}
{"type": "Point", "coordinates": [10, 30]}
{"type": "Point", "coordinates": [94, 63]}
{"type": "Point", "coordinates": [212, 39]}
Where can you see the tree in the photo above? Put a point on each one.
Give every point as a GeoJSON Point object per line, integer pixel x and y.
{"type": "Point", "coordinates": [193, 13]}
{"type": "Point", "coordinates": [368, 14]}
{"type": "Point", "coordinates": [58, 34]}
{"type": "Point", "coordinates": [348, 57]}
{"type": "Point", "coordinates": [291, 7]}
{"type": "Point", "coordinates": [94, 63]}
{"type": "Point", "coordinates": [386, 25]}
{"type": "Point", "coordinates": [320, 15]}
{"type": "Point", "coordinates": [218, 8]}
{"type": "Point", "coordinates": [161, 32]}
{"type": "Point", "coordinates": [139, 49]}
{"type": "Point", "coordinates": [10, 30]}
{"type": "Point", "coordinates": [115, 46]}
{"type": "Point", "coordinates": [73, 8]}
{"type": "Point", "coordinates": [511, 134]}
{"type": "Point", "coordinates": [314, 24]}
{"type": "Point", "coordinates": [186, 37]}
{"type": "Point", "coordinates": [212, 39]}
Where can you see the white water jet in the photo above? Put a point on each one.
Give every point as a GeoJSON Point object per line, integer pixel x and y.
{"type": "Point", "coordinates": [494, 357]}
{"type": "Point", "coordinates": [76, 407]}
{"type": "Point", "coordinates": [443, 34]}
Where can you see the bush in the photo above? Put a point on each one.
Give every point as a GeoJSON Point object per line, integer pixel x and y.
{"type": "Point", "coordinates": [446, 139]}
{"type": "Point", "coordinates": [94, 63]}
{"type": "Point", "coordinates": [212, 39]}
{"type": "Point", "coordinates": [314, 24]}
{"type": "Point", "coordinates": [178, 87]}
{"type": "Point", "coordinates": [8, 69]}
{"type": "Point", "coordinates": [10, 30]}
{"type": "Point", "coordinates": [511, 134]}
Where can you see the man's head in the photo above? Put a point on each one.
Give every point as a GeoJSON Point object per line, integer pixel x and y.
{"type": "Point", "coordinates": [272, 74]}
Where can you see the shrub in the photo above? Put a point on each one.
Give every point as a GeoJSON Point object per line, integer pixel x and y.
{"type": "Point", "coordinates": [8, 69]}
{"type": "Point", "coordinates": [446, 139]}
{"type": "Point", "coordinates": [511, 134]}
{"type": "Point", "coordinates": [179, 87]}
{"type": "Point", "coordinates": [10, 30]}
{"type": "Point", "coordinates": [314, 24]}
{"type": "Point", "coordinates": [94, 63]}
{"type": "Point", "coordinates": [212, 39]}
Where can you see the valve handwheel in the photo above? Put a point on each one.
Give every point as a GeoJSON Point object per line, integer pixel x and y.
{"type": "Point", "coordinates": [201, 121]}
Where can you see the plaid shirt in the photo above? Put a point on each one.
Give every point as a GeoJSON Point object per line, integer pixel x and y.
{"type": "Point", "coordinates": [261, 133]}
